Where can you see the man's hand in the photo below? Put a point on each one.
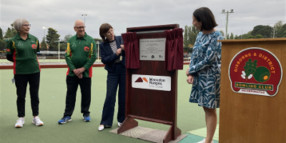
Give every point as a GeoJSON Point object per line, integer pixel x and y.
{"type": "Point", "coordinates": [80, 76]}
{"type": "Point", "coordinates": [76, 72]}
{"type": "Point", "coordinates": [81, 70]}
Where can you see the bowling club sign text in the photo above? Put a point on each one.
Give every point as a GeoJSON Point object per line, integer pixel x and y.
{"type": "Point", "coordinates": [255, 71]}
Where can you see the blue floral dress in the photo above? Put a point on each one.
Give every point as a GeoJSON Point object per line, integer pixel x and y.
{"type": "Point", "coordinates": [205, 68]}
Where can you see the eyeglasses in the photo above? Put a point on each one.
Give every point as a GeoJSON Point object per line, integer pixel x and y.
{"type": "Point", "coordinates": [80, 27]}
{"type": "Point", "coordinates": [27, 25]}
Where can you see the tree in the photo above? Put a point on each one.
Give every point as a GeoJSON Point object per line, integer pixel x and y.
{"type": "Point", "coordinates": [11, 32]}
{"type": "Point", "coordinates": [63, 46]}
{"type": "Point", "coordinates": [237, 37]}
{"type": "Point", "coordinates": [265, 31]}
{"type": "Point", "coordinates": [186, 42]}
{"type": "Point", "coordinates": [231, 36]}
{"type": "Point", "coordinates": [52, 39]}
{"type": "Point", "coordinates": [43, 44]}
{"type": "Point", "coordinates": [280, 29]}
{"type": "Point", "coordinates": [1, 34]}
{"type": "Point", "coordinates": [190, 34]}
{"type": "Point", "coordinates": [258, 36]}
{"type": "Point", "coordinates": [67, 37]}
{"type": "Point", "coordinates": [282, 33]}
{"type": "Point", "coordinates": [277, 27]}
{"type": "Point", "coordinates": [63, 43]}
{"type": "Point", "coordinates": [2, 45]}
{"type": "Point", "coordinates": [245, 36]}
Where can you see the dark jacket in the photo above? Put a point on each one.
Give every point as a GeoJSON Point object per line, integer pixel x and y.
{"type": "Point", "coordinates": [108, 57]}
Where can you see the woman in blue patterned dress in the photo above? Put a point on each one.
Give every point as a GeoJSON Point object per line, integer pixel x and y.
{"type": "Point", "coordinates": [204, 70]}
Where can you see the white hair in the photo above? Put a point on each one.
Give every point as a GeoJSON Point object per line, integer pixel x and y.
{"type": "Point", "coordinates": [78, 21]}
{"type": "Point", "coordinates": [18, 23]}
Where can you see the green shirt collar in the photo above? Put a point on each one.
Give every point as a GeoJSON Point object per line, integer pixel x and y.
{"type": "Point", "coordinates": [84, 37]}
{"type": "Point", "coordinates": [18, 37]}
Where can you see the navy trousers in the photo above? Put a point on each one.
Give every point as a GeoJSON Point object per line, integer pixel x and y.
{"type": "Point", "coordinates": [21, 81]}
{"type": "Point", "coordinates": [114, 79]}
{"type": "Point", "coordinates": [85, 86]}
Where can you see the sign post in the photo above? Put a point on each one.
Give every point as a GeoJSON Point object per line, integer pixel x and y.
{"type": "Point", "coordinates": [253, 95]}
{"type": "Point", "coordinates": [151, 90]}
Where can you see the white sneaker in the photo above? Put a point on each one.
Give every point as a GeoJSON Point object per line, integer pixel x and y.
{"type": "Point", "coordinates": [101, 127]}
{"type": "Point", "coordinates": [20, 122]}
{"type": "Point", "coordinates": [203, 141]}
{"type": "Point", "coordinates": [119, 124]}
{"type": "Point", "coordinates": [37, 121]}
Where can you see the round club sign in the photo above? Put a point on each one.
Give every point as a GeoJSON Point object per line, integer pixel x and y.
{"type": "Point", "coordinates": [255, 71]}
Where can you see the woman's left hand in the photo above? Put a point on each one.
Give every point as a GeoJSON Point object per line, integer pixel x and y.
{"type": "Point", "coordinates": [122, 47]}
{"type": "Point", "coordinates": [118, 51]}
{"type": "Point", "coordinates": [190, 79]}
{"type": "Point", "coordinates": [187, 72]}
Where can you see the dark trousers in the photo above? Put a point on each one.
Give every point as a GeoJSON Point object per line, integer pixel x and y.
{"type": "Point", "coordinates": [113, 80]}
{"type": "Point", "coordinates": [85, 86]}
{"type": "Point", "coordinates": [21, 81]}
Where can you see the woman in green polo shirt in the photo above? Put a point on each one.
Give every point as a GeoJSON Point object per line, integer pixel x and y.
{"type": "Point", "coordinates": [23, 49]}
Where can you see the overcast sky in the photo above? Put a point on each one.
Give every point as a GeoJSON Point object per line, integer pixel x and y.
{"type": "Point", "coordinates": [61, 14]}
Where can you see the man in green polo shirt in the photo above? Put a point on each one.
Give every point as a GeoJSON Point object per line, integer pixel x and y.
{"type": "Point", "coordinates": [80, 56]}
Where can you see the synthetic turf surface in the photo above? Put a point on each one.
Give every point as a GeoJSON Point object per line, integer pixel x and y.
{"type": "Point", "coordinates": [52, 102]}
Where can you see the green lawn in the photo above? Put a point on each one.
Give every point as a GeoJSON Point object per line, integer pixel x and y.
{"type": "Point", "coordinates": [52, 103]}
{"type": "Point", "coordinates": [4, 61]}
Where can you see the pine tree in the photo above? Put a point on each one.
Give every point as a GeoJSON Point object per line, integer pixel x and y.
{"type": "Point", "coordinates": [11, 32]}
{"type": "Point", "coordinates": [52, 39]}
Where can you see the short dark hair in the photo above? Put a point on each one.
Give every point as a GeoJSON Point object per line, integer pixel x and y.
{"type": "Point", "coordinates": [103, 30]}
{"type": "Point", "coordinates": [206, 17]}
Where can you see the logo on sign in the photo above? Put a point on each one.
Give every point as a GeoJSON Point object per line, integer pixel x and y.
{"type": "Point", "coordinates": [142, 79]}
{"type": "Point", "coordinates": [255, 71]}
{"type": "Point", "coordinates": [151, 82]}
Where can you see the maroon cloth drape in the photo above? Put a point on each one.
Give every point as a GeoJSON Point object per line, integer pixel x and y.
{"type": "Point", "coordinates": [131, 47]}
{"type": "Point", "coordinates": [174, 49]}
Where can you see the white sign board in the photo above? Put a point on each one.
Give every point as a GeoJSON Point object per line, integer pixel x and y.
{"type": "Point", "coordinates": [152, 49]}
{"type": "Point", "coordinates": [151, 82]}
